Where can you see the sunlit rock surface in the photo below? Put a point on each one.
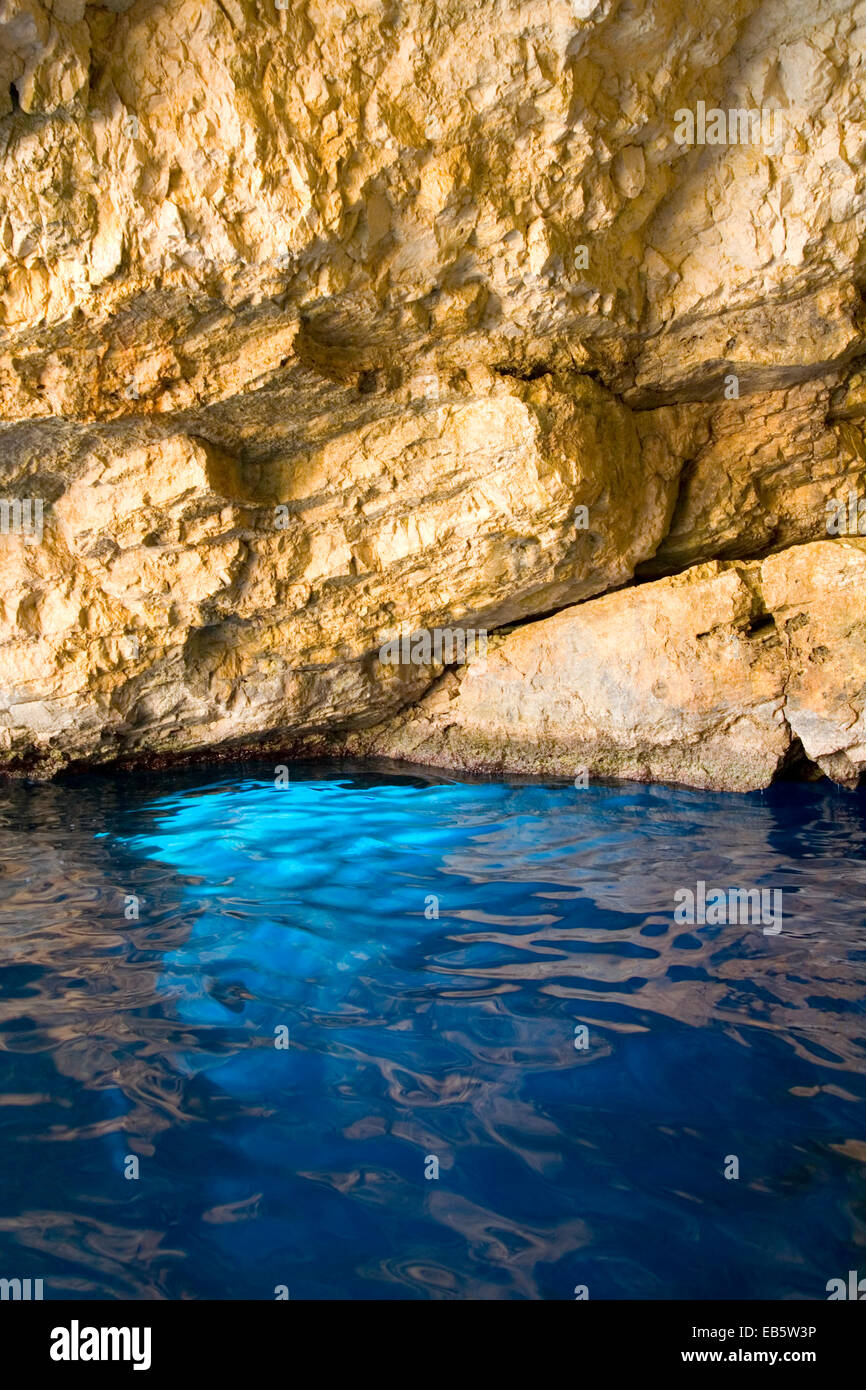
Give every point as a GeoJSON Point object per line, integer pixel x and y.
{"type": "Point", "coordinates": [319, 321]}
{"type": "Point", "coordinates": [707, 678]}
{"type": "Point", "coordinates": [173, 602]}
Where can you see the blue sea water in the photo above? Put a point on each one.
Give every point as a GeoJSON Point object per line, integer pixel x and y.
{"type": "Point", "coordinates": [434, 948]}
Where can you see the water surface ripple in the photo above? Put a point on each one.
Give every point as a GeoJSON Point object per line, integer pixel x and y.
{"type": "Point", "coordinates": [413, 1036]}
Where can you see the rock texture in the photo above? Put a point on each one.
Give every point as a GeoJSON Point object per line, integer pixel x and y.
{"type": "Point", "coordinates": [714, 678]}
{"type": "Point", "coordinates": [173, 602]}
{"type": "Point", "coordinates": [321, 320]}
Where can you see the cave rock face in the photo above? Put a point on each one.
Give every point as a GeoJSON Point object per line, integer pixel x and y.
{"type": "Point", "coordinates": [324, 324]}
{"type": "Point", "coordinates": [722, 676]}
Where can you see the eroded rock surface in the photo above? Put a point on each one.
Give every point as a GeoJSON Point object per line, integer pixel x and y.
{"type": "Point", "coordinates": [706, 678]}
{"type": "Point", "coordinates": [324, 320]}
{"type": "Point", "coordinates": [173, 601]}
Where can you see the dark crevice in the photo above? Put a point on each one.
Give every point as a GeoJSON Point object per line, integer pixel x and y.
{"type": "Point", "coordinates": [761, 623]}
{"type": "Point", "coordinates": [649, 571]}
{"type": "Point", "coordinates": [534, 373]}
{"type": "Point", "coordinates": [797, 766]}
{"type": "Point", "coordinates": [542, 369]}
{"type": "Point", "coordinates": [653, 568]}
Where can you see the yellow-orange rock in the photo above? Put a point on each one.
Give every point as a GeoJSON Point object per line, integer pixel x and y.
{"type": "Point", "coordinates": [707, 678]}
{"type": "Point", "coordinates": [321, 319]}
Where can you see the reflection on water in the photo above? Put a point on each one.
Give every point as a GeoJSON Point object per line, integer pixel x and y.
{"type": "Point", "coordinates": [312, 907]}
